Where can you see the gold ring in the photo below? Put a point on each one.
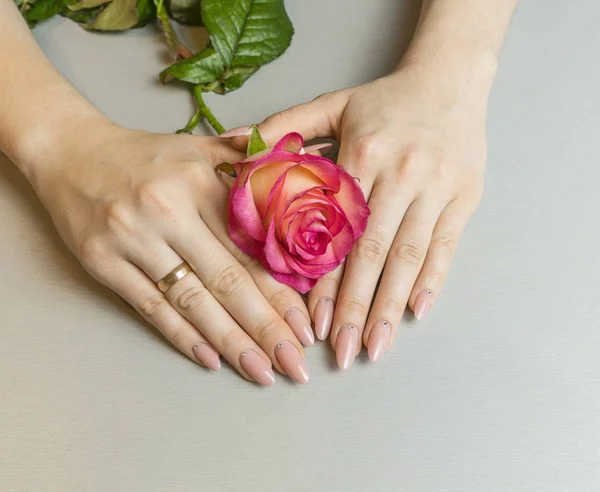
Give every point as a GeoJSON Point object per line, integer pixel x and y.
{"type": "Point", "coordinates": [174, 276]}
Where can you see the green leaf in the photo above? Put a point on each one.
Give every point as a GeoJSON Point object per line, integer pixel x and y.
{"type": "Point", "coordinates": [227, 168]}
{"type": "Point", "coordinates": [118, 15]}
{"type": "Point", "coordinates": [186, 11]}
{"type": "Point", "coordinates": [193, 123]}
{"type": "Point", "coordinates": [87, 4]}
{"type": "Point", "coordinates": [247, 32]}
{"type": "Point", "coordinates": [256, 143]}
{"type": "Point", "coordinates": [42, 10]}
{"type": "Point", "coordinates": [234, 78]}
{"type": "Point", "coordinates": [84, 16]}
{"type": "Point", "coordinates": [201, 68]}
{"type": "Point", "coordinates": [146, 11]}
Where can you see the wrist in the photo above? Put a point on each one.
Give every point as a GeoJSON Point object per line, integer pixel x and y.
{"type": "Point", "coordinates": [450, 77]}
{"type": "Point", "coordinates": [45, 147]}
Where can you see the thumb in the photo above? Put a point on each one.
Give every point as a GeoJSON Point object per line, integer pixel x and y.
{"type": "Point", "coordinates": [317, 118]}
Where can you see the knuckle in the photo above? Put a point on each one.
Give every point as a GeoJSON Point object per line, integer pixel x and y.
{"type": "Point", "coordinates": [370, 250]}
{"type": "Point", "coordinates": [197, 174]}
{"type": "Point", "coordinates": [229, 280]}
{"type": "Point", "coordinates": [407, 165]}
{"type": "Point", "coordinates": [410, 253]}
{"type": "Point", "coordinates": [92, 249]}
{"type": "Point", "coordinates": [152, 195]}
{"type": "Point", "coordinates": [356, 307]}
{"type": "Point", "coordinates": [394, 306]}
{"type": "Point", "coordinates": [279, 297]}
{"type": "Point", "coordinates": [192, 298]}
{"type": "Point", "coordinates": [444, 240]}
{"type": "Point", "coordinates": [150, 306]}
{"type": "Point", "coordinates": [265, 330]}
{"type": "Point", "coordinates": [229, 340]}
{"type": "Point", "coordinates": [119, 217]}
{"type": "Point", "coordinates": [176, 335]}
{"type": "Point", "coordinates": [366, 148]}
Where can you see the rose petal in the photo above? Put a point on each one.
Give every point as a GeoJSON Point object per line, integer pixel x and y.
{"type": "Point", "coordinates": [274, 254]}
{"type": "Point", "coordinates": [244, 209]}
{"type": "Point", "coordinates": [243, 240]}
{"type": "Point", "coordinates": [292, 142]}
{"type": "Point", "coordinates": [299, 282]}
{"type": "Point", "coordinates": [352, 201]}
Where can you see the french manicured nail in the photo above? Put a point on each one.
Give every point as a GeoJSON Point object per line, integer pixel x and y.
{"type": "Point", "coordinates": [423, 304]}
{"type": "Point", "coordinates": [236, 132]}
{"type": "Point", "coordinates": [257, 367]}
{"type": "Point", "coordinates": [208, 356]}
{"type": "Point", "coordinates": [292, 362]}
{"type": "Point", "coordinates": [379, 339]}
{"type": "Point", "coordinates": [323, 317]}
{"type": "Point", "coordinates": [313, 148]}
{"type": "Point", "coordinates": [300, 326]}
{"type": "Point", "coordinates": [346, 345]}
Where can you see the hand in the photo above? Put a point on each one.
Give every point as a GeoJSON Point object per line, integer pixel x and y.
{"type": "Point", "coordinates": [132, 206]}
{"type": "Point", "coordinates": [418, 149]}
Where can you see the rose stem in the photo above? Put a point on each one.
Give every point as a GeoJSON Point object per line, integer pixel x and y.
{"type": "Point", "coordinates": [205, 111]}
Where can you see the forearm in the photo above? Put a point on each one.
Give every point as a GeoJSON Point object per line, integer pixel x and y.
{"type": "Point", "coordinates": [460, 40]}
{"type": "Point", "coordinates": [39, 108]}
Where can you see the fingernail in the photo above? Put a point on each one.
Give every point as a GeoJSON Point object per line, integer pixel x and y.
{"type": "Point", "coordinates": [423, 304]}
{"type": "Point", "coordinates": [257, 367]}
{"type": "Point", "coordinates": [292, 362]}
{"type": "Point", "coordinates": [208, 356]}
{"type": "Point", "coordinates": [379, 340]}
{"type": "Point", "coordinates": [300, 326]}
{"type": "Point", "coordinates": [323, 317]}
{"type": "Point", "coordinates": [313, 148]}
{"type": "Point", "coordinates": [236, 132]}
{"type": "Point", "coordinates": [346, 346]}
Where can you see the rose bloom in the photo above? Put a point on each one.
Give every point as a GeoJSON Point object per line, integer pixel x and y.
{"type": "Point", "coordinates": [297, 213]}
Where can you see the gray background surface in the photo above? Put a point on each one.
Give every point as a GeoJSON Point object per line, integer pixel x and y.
{"type": "Point", "coordinates": [497, 390]}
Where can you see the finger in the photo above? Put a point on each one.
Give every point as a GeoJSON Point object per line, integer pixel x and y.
{"type": "Point", "coordinates": [363, 269]}
{"type": "Point", "coordinates": [287, 302]}
{"type": "Point", "coordinates": [190, 298]}
{"type": "Point", "coordinates": [233, 287]}
{"type": "Point", "coordinates": [323, 296]}
{"type": "Point", "coordinates": [137, 289]}
{"type": "Point", "coordinates": [322, 299]}
{"type": "Point", "coordinates": [445, 237]}
{"type": "Point", "coordinates": [318, 118]}
{"type": "Point", "coordinates": [402, 267]}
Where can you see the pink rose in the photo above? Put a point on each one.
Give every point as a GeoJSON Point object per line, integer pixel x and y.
{"type": "Point", "coordinates": [298, 214]}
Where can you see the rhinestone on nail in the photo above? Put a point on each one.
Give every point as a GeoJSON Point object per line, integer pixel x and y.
{"type": "Point", "coordinates": [196, 347]}
{"type": "Point", "coordinates": [429, 291]}
{"type": "Point", "coordinates": [280, 345]}
{"type": "Point", "coordinates": [243, 354]}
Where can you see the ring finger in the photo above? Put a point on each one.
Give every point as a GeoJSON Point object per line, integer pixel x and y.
{"type": "Point", "coordinates": [400, 272]}
{"type": "Point", "coordinates": [194, 302]}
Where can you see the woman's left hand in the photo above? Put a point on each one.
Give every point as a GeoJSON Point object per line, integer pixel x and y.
{"type": "Point", "coordinates": [417, 146]}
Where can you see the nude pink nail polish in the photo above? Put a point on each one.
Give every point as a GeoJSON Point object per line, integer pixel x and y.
{"type": "Point", "coordinates": [379, 339]}
{"type": "Point", "coordinates": [300, 326]}
{"type": "Point", "coordinates": [323, 317]}
{"type": "Point", "coordinates": [208, 356]}
{"type": "Point", "coordinates": [313, 148]}
{"type": "Point", "coordinates": [292, 361]}
{"type": "Point", "coordinates": [423, 303]}
{"type": "Point", "coordinates": [257, 367]}
{"type": "Point", "coordinates": [346, 346]}
{"type": "Point", "coordinates": [236, 132]}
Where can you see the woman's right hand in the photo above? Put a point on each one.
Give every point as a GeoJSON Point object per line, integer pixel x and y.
{"type": "Point", "coordinates": [132, 206]}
